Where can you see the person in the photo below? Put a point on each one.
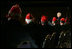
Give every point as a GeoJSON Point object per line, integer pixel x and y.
{"type": "Point", "coordinates": [12, 25]}
{"type": "Point", "coordinates": [13, 16]}
{"type": "Point", "coordinates": [54, 21]}
{"type": "Point", "coordinates": [64, 38]}
{"type": "Point", "coordinates": [57, 27]}
{"type": "Point", "coordinates": [44, 27]}
{"type": "Point", "coordinates": [32, 29]}
{"type": "Point", "coordinates": [62, 21]}
{"type": "Point", "coordinates": [44, 24]}
{"type": "Point", "coordinates": [44, 20]}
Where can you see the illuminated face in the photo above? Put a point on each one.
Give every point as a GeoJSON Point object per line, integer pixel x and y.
{"type": "Point", "coordinates": [28, 20]}
{"type": "Point", "coordinates": [53, 22]}
{"type": "Point", "coordinates": [58, 14]}
{"type": "Point", "coordinates": [42, 23]}
{"type": "Point", "coordinates": [9, 18]}
{"type": "Point", "coordinates": [61, 23]}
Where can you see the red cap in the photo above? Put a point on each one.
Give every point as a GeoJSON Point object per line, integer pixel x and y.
{"type": "Point", "coordinates": [43, 18]}
{"type": "Point", "coordinates": [28, 16]}
{"type": "Point", "coordinates": [62, 19]}
{"type": "Point", "coordinates": [16, 8]}
{"type": "Point", "coordinates": [54, 19]}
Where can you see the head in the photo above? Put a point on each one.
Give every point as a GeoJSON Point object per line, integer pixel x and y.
{"type": "Point", "coordinates": [28, 18]}
{"type": "Point", "coordinates": [54, 20]}
{"type": "Point", "coordinates": [43, 20]}
{"type": "Point", "coordinates": [62, 21]}
{"type": "Point", "coordinates": [59, 14]}
{"type": "Point", "coordinates": [15, 12]}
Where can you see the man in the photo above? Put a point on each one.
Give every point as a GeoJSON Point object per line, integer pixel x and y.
{"type": "Point", "coordinates": [62, 21]}
{"type": "Point", "coordinates": [45, 29]}
{"type": "Point", "coordinates": [54, 21]}
{"type": "Point", "coordinates": [12, 26]}
{"type": "Point", "coordinates": [13, 16]}
{"type": "Point", "coordinates": [57, 28]}
{"type": "Point", "coordinates": [44, 20]}
{"type": "Point", "coordinates": [29, 18]}
{"type": "Point", "coordinates": [44, 24]}
{"type": "Point", "coordinates": [31, 30]}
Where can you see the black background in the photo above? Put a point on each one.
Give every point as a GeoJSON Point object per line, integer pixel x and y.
{"type": "Point", "coordinates": [38, 8]}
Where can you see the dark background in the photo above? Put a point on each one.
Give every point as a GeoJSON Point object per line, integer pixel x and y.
{"type": "Point", "coordinates": [38, 8]}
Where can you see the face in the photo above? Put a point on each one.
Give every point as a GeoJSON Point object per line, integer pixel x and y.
{"type": "Point", "coordinates": [53, 22]}
{"type": "Point", "coordinates": [58, 14]}
{"type": "Point", "coordinates": [28, 20]}
{"type": "Point", "coordinates": [42, 23]}
{"type": "Point", "coordinates": [61, 23]}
